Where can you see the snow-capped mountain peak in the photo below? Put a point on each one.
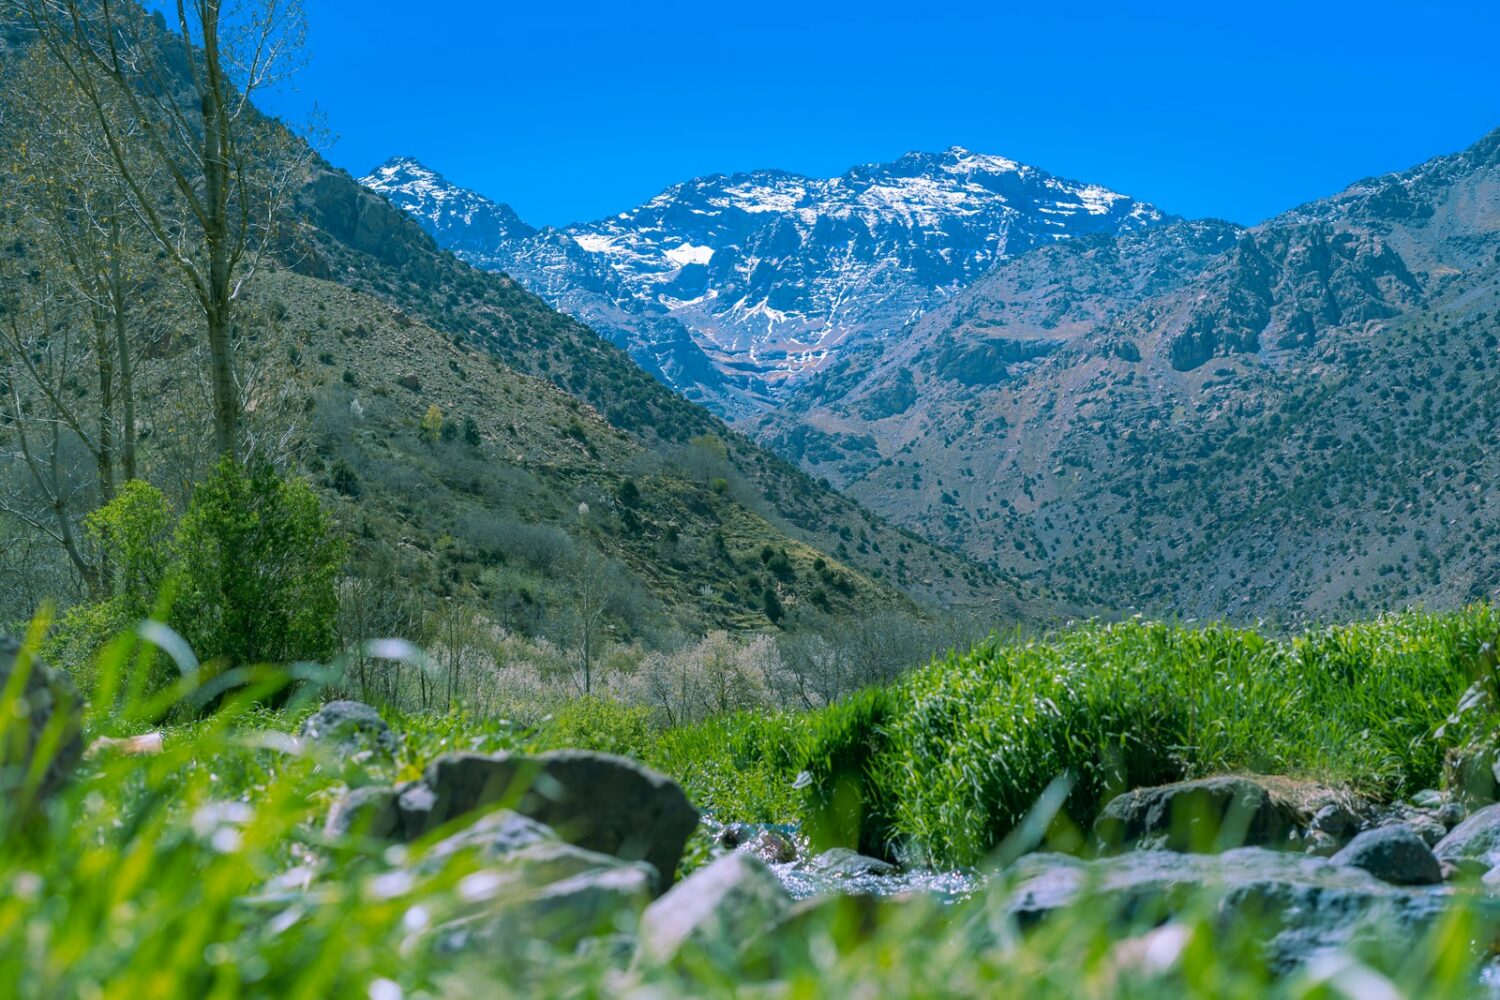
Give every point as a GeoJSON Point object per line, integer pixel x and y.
{"type": "Point", "coordinates": [732, 286]}
{"type": "Point", "coordinates": [468, 221]}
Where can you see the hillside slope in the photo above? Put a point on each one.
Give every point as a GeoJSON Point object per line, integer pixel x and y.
{"type": "Point", "coordinates": [1295, 419]}
{"type": "Point", "coordinates": [717, 483]}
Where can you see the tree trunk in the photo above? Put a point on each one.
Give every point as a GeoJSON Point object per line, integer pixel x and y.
{"type": "Point", "coordinates": [119, 304]}
{"type": "Point", "coordinates": [219, 236]}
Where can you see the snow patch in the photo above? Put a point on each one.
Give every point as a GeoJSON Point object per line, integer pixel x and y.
{"type": "Point", "coordinates": [688, 254]}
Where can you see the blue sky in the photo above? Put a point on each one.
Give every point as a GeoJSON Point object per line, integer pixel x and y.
{"type": "Point", "coordinates": [572, 111]}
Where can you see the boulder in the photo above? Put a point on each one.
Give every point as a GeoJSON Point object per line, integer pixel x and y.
{"type": "Point", "coordinates": [531, 886]}
{"type": "Point", "coordinates": [841, 862]}
{"type": "Point", "coordinates": [496, 836]}
{"type": "Point", "coordinates": [1427, 798]}
{"type": "Point", "coordinates": [1450, 814]}
{"type": "Point", "coordinates": [46, 718]}
{"type": "Point", "coordinates": [1320, 844]}
{"type": "Point", "coordinates": [382, 813]}
{"type": "Point", "coordinates": [597, 801]}
{"type": "Point", "coordinates": [368, 812]}
{"type": "Point", "coordinates": [1394, 854]}
{"type": "Point", "coordinates": [348, 728]}
{"type": "Point", "coordinates": [1475, 840]}
{"type": "Point", "coordinates": [1309, 905]}
{"type": "Point", "coordinates": [732, 835]}
{"type": "Point", "coordinates": [1211, 814]}
{"type": "Point", "coordinates": [1424, 825]}
{"type": "Point", "coordinates": [713, 913]}
{"type": "Point", "coordinates": [1336, 820]}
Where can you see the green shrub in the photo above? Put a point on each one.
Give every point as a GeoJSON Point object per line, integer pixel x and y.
{"type": "Point", "coordinates": [594, 723]}
{"type": "Point", "coordinates": [258, 562]}
{"type": "Point", "coordinates": [246, 576]}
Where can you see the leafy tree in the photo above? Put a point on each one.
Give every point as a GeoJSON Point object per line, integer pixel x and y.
{"type": "Point", "coordinates": [432, 424]}
{"type": "Point", "coordinates": [774, 611]}
{"type": "Point", "coordinates": [258, 564]}
{"type": "Point", "coordinates": [246, 576]}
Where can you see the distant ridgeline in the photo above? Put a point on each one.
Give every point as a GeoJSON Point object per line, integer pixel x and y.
{"type": "Point", "coordinates": [732, 289]}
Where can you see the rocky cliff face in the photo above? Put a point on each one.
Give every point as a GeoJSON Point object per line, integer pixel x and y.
{"type": "Point", "coordinates": [735, 288]}
{"type": "Point", "coordinates": [1282, 420]}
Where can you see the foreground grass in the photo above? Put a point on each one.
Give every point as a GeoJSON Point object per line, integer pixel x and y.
{"type": "Point", "coordinates": [155, 878]}
{"type": "Point", "coordinates": [167, 876]}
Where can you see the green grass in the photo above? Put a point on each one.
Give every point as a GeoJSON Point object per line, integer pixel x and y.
{"type": "Point", "coordinates": [944, 764]}
{"type": "Point", "coordinates": [129, 885]}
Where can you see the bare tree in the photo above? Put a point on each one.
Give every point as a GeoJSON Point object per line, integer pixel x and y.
{"type": "Point", "coordinates": [220, 174]}
{"type": "Point", "coordinates": [41, 411]}
{"type": "Point", "coordinates": [591, 583]}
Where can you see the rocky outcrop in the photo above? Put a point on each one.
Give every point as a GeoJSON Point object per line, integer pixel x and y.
{"type": "Point", "coordinates": [1210, 814]}
{"type": "Point", "coordinates": [1306, 905]}
{"type": "Point", "coordinates": [45, 719]}
{"type": "Point", "coordinates": [349, 728]}
{"type": "Point", "coordinates": [1475, 840]}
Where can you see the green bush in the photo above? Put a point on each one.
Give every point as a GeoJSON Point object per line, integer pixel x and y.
{"type": "Point", "coordinates": [594, 723]}
{"type": "Point", "coordinates": [133, 534]}
{"type": "Point", "coordinates": [258, 563]}
{"type": "Point", "coordinates": [246, 576]}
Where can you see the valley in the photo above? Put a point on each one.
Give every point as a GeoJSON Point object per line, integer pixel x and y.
{"type": "Point", "coordinates": [931, 577]}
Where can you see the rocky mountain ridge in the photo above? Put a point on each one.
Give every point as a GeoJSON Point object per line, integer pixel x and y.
{"type": "Point", "coordinates": [1284, 420]}
{"type": "Point", "coordinates": [734, 288]}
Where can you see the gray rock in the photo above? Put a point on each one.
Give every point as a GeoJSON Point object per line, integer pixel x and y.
{"type": "Point", "coordinates": [350, 727]}
{"type": "Point", "coordinates": [1476, 839]}
{"type": "Point", "coordinates": [713, 913]}
{"type": "Point", "coordinates": [1425, 826]}
{"type": "Point", "coordinates": [598, 801]}
{"type": "Point", "coordinates": [48, 712]}
{"type": "Point", "coordinates": [1207, 815]}
{"type": "Point", "coordinates": [1335, 820]}
{"type": "Point", "coordinates": [735, 834]}
{"type": "Point", "coordinates": [841, 862]}
{"type": "Point", "coordinates": [414, 801]}
{"type": "Point", "coordinates": [773, 848]}
{"type": "Point", "coordinates": [382, 813]}
{"type": "Point", "coordinates": [544, 890]}
{"type": "Point", "coordinates": [1320, 844]}
{"type": "Point", "coordinates": [1311, 904]}
{"type": "Point", "coordinates": [369, 812]}
{"type": "Point", "coordinates": [1450, 814]}
{"type": "Point", "coordinates": [1394, 854]}
{"type": "Point", "coordinates": [1427, 798]}
{"type": "Point", "coordinates": [498, 835]}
